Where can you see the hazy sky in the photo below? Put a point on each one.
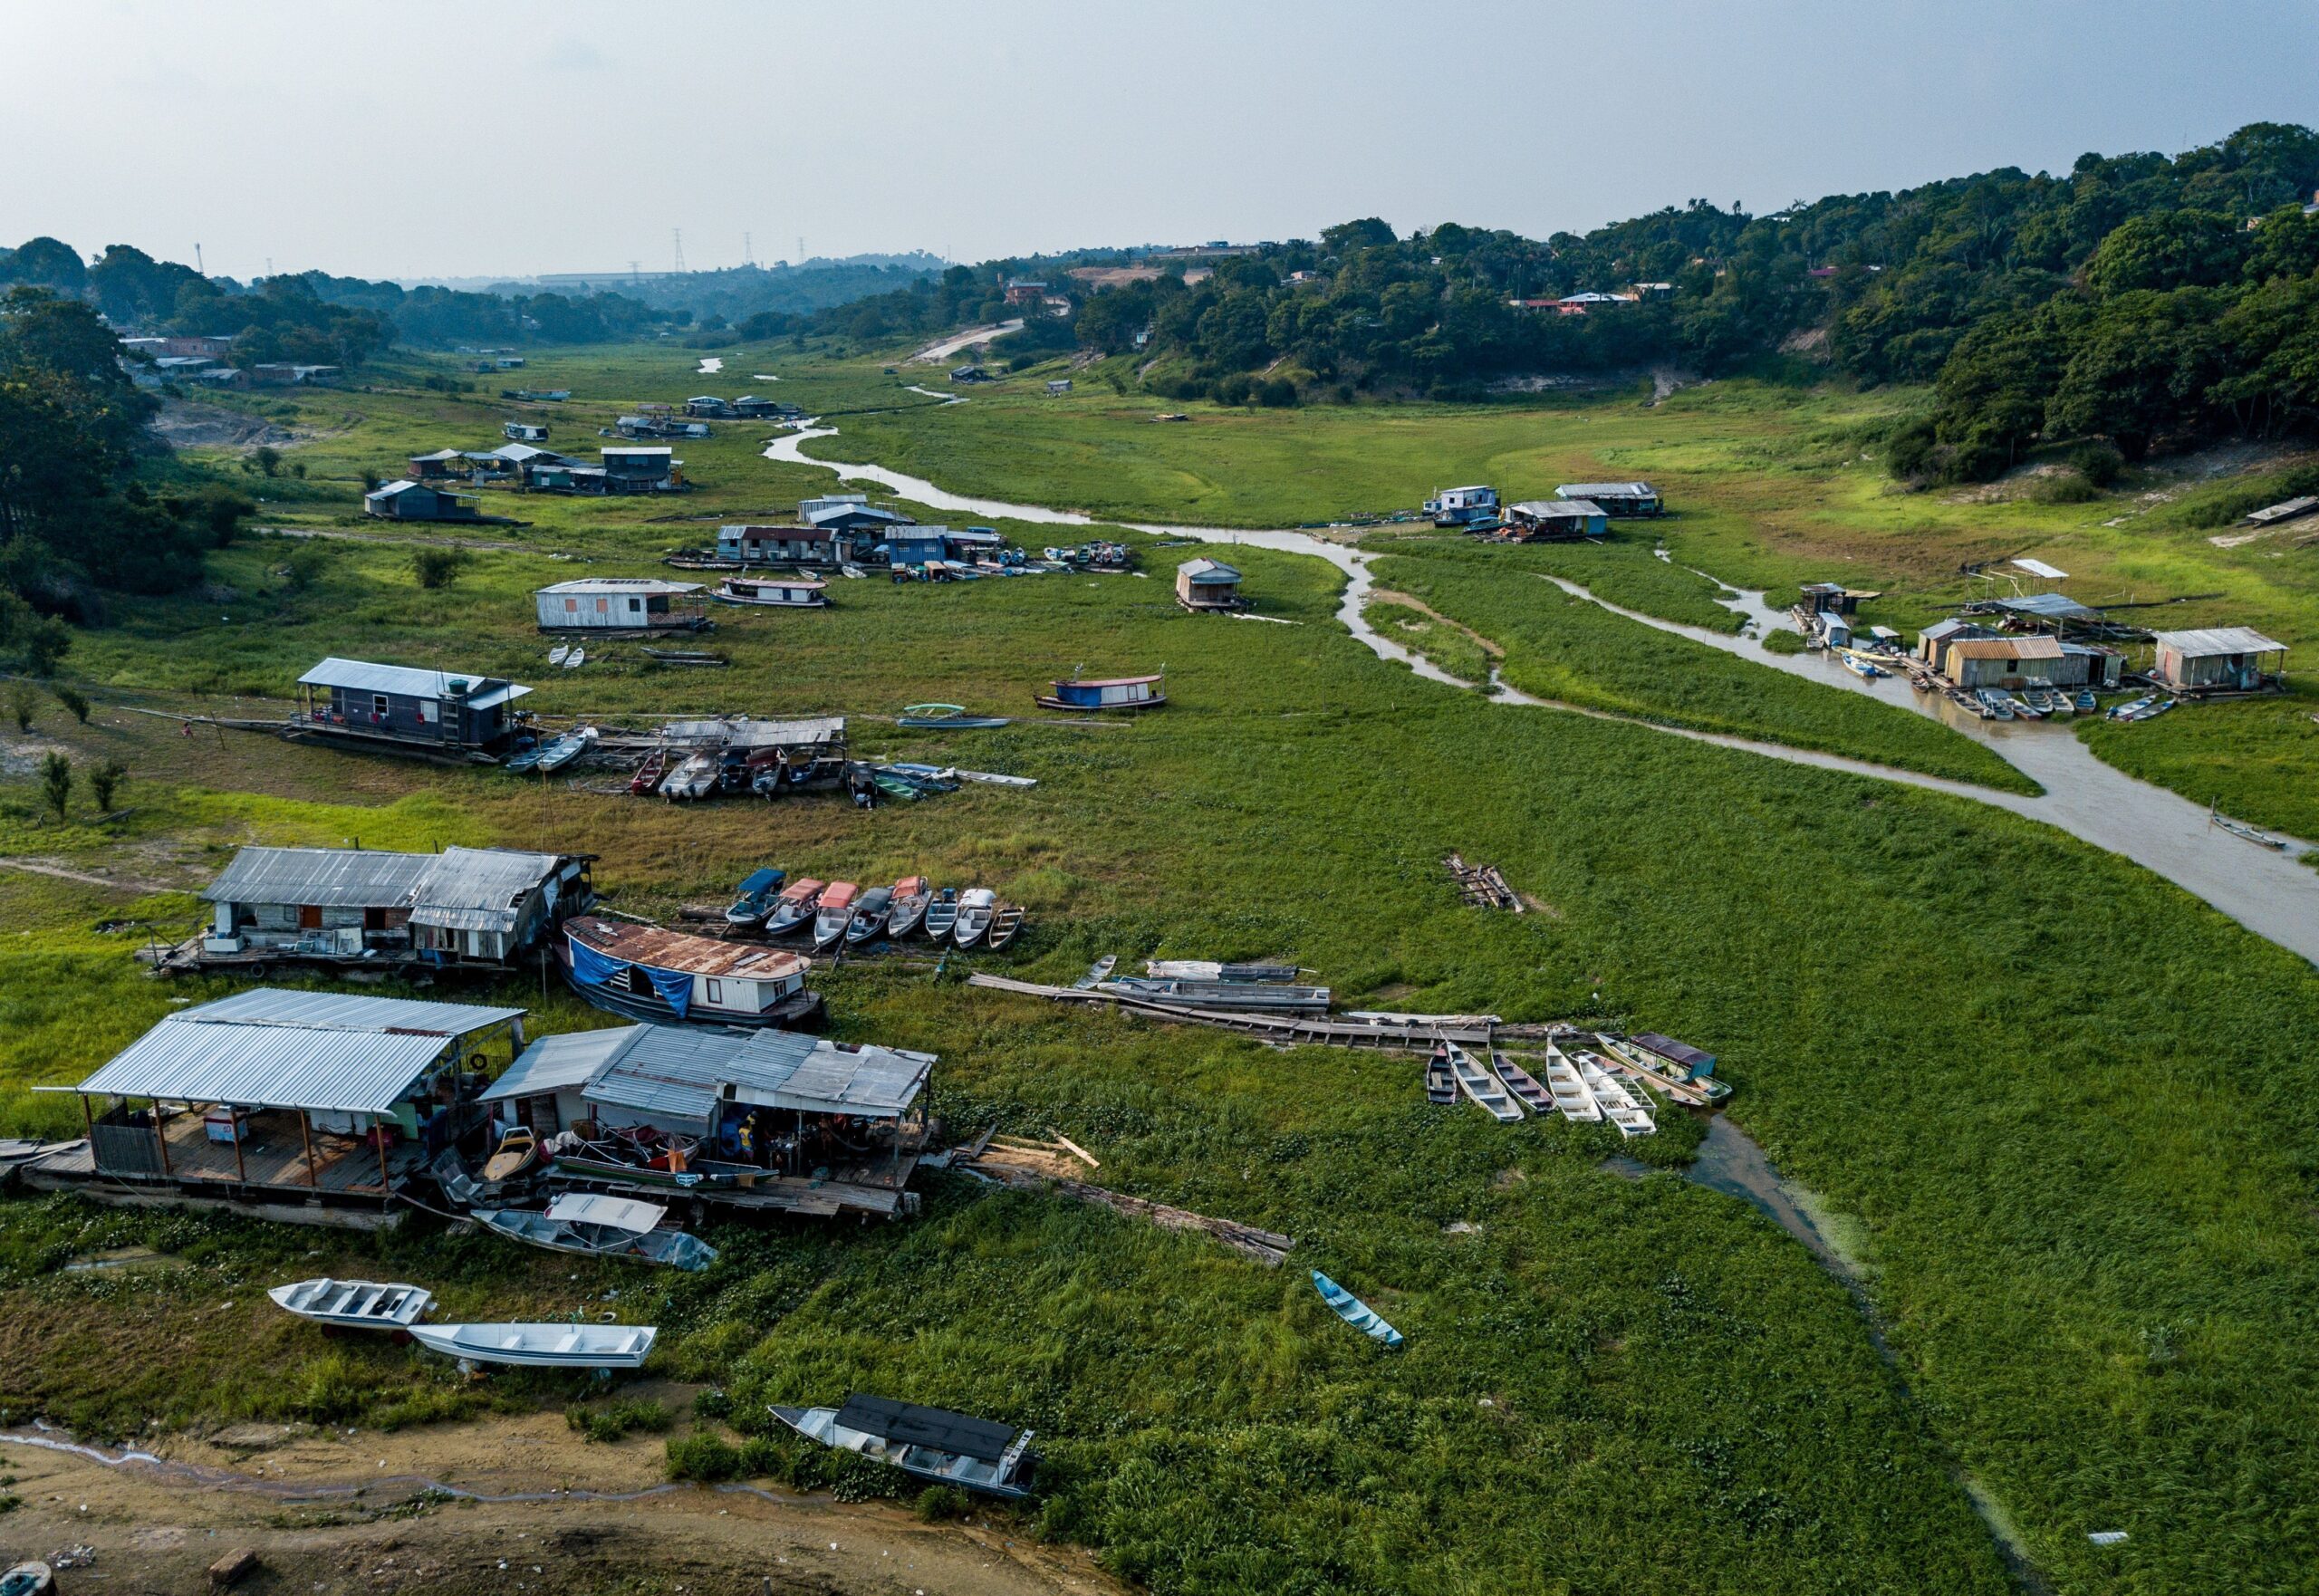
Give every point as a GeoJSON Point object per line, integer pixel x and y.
{"type": "Point", "coordinates": [417, 137]}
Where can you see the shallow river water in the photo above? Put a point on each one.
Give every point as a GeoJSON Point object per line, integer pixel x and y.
{"type": "Point", "coordinates": [2272, 894]}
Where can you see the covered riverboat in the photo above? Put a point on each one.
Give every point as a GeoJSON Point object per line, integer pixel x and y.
{"type": "Point", "coordinates": [647, 973]}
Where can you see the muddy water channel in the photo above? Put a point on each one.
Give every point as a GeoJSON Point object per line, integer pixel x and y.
{"type": "Point", "coordinates": [2271, 894]}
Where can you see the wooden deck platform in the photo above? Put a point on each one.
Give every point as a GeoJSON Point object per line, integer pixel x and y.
{"type": "Point", "coordinates": [272, 1164]}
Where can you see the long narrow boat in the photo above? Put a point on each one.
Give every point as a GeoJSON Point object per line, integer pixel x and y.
{"type": "Point", "coordinates": [911, 894]}
{"type": "Point", "coordinates": [673, 977]}
{"type": "Point", "coordinates": [932, 1443]}
{"type": "Point", "coordinates": [833, 913]}
{"type": "Point", "coordinates": [2131, 711]}
{"type": "Point", "coordinates": [976, 906]}
{"type": "Point", "coordinates": [756, 900]}
{"type": "Point", "coordinates": [695, 778]}
{"type": "Point", "coordinates": [945, 718]}
{"type": "Point", "coordinates": [563, 750]}
{"type": "Point", "coordinates": [1005, 921]}
{"type": "Point", "coordinates": [602, 1227]}
{"type": "Point", "coordinates": [1569, 1088]}
{"type": "Point", "coordinates": [353, 1304]}
{"type": "Point", "coordinates": [1440, 1083]}
{"type": "Point", "coordinates": [794, 907]}
{"type": "Point", "coordinates": [1477, 1082]}
{"type": "Point", "coordinates": [649, 774]}
{"type": "Point", "coordinates": [1522, 1084]}
{"type": "Point", "coordinates": [1353, 1311]}
{"type": "Point", "coordinates": [540, 1346]}
{"type": "Point", "coordinates": [941, 917]}
{"type": "Point", "coordinates": [1097, 973]}
{"type": "Point", "coordinates": [1618, 1105]}
{"type": "Point", "coordinates": [1239, 997]}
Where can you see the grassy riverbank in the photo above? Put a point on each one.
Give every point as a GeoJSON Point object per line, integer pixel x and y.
{"type": "Point", "coordinates": [2072, 1127]}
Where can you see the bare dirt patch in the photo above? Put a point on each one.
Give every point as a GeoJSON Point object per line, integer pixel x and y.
{"type": "Point", "coordinates": [189, 424]}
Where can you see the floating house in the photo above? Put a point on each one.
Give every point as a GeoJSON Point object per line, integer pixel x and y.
{"type": "Point", "coordinates": [771, 1118]}
{"type": "Point", "coordinates": [620, 604]}
{"type": "Point", "coordinates": [2002, 661]}
{"type": "Point", "coordinates": [1834, 629]}
{"type": "Point", "coordinates": [851, 518]}
{"type": "Point", "coordinates": [1455, 506]}
{"type": "Point", "coordinates": [749, 407]}
{"type": "Point", "coordinates": [1555, 521]}
{"type": "Point", "coordinates": [430, 710]}
{"type": "Point", "coordinates": [830, 545]}
{"type": "Point", "coordinates": [1208, 584]}
{"type": "Point", "coordinates": [524, 431]}
{"type": "Point", "coordinates": [464, 907]}
{"type": "Point", "coordinates": [1119, 692]}
{"type": "Point", "coordinates": [641, 468]}
{"type": "Point", "coordinates": [1058, 387]}
{"type": "Point", "coordinates": [304, 1106]}
{"type": "Point", "coordinates": [2050, 611]}
{"type": "Point", "coordinates": [1832, 598]}
{"type": "Point", "coordinates": [2218, 660]}
{"type": "Point", "coordinates": [650, 974]}
{"type": "Point", "coordinates": [709, 407]}
{"type": "Point", "coordinates": [1620, 499]}
{"type": "Point", "coordinates": [405, 500]}
{"type": "Point", "coordinates": [442, 465]}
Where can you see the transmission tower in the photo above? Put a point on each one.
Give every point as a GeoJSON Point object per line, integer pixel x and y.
{"type": "Point", "coordinates": [679, 232]}
{"type": "Point", "coordinates": [748, 250]}
{"type": "Point", "coordinates": [635, 271]}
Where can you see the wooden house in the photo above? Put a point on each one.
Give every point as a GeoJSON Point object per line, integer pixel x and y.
{"type": "Point", "coordinates": [2216, 661]}
{"type": "Point", "coordinates": [311, 1106]}
{"type": "Point", "coordinates": [2031, 661]}
{"type": "Point", "coordinates": [405, 500]}
{"type": "Point", "coordinates": [635, 468]}
{"type": "Point", "coordinates": [462, 907]}
{"type": "Point", "coordinates": [1203, 583]}
{"type": "Point", "coordinates": [442, 465]}
{"type": "Point", "coordinates": [709, 408]}
{"type": "Point", "coordinates": [1832, 598]}
{"type": "Point", "coordinates": [1618, 499]}
{"type": "Point", "coordinates": [620, 604]}
{"type": "Point", "coordinates": [830, 545]}
{"type": "Point", "coordinates": [776, 1120]}
{"type": "Point", "coordinates": [1458, 506]}
{"type": "Point", "coordinates": [1554, 520]}
{"type": "Point", "coordinates": [430, 710]}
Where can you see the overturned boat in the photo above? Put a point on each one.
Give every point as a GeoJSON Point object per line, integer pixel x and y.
{"type": "Point", "coordinates": [932, 1443]}
{"type": "Point", "coordinates": [603, 1227]}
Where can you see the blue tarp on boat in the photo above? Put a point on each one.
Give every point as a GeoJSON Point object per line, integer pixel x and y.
{"type": "Point", "coordinates": [590, 968]}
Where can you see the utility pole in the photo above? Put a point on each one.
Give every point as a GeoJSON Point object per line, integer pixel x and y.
{"type": "Point", "coordinates": [198, 269]}
{"type": "Point", "coordinates": [801, 249]}
{"type": "Point", "coordinates": [679, 234]}
{"type": "Point", "coordinates": [748, 250]}
{"type": "Point", "coordinates": [635, 271]}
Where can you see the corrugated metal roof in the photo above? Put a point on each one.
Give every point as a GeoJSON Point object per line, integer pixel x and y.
{"type": "Point", "coordinates": [1206, 570]}
{"type": "Point", "coordinates": [560, 1064]}
{"type": "Point", "coordinates": [678, 1072]}
{"type": "Point", "coordinates": [479, 889]}
{"type": "Point", "coordinates": [2049, 605]}
{"type": "Point", "coordinates": [346, 1011]}
{"type": "Point", "coordinates": [2038, 648]}
{"type": "Point", "coordinates": [363, 676]}
{"type": "Point", "coordinates": [741, 732]}
{"type": "Point", "coordinates": [2215, 639]}
{"type": "Point", "coordinates": [1541, 509]}
{"type": "Point", "coordinates": [339, 877]}
{"type": "Point", "coordinates": [1614, 490]}
{"type": "Point", "coordinates": [269, 1048]}
{"type": "Point", "coordinates": [622, 584]}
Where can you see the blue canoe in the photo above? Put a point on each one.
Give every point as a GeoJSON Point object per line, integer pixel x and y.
{"type": "Point", "coordinates": [1353, 1311]}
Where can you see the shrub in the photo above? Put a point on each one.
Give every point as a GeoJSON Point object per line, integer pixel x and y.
{"type": "Point", "coordinates": [104, 782]}
{"type": "Point", "coordinates": [438, 568]}
{"type": "Point", "coordinates": [56, 781]}
{"type": "Point", "coordinates": [611, 1423]}
{"type": "Point", "coordinates": [714, 1403]}
{"type": "Point", "coordinates": [2063, 488]}
{"type": "Point", "coordinates": [2099, 462]}
{"type": "Point", "coordinates": [941, 1504]}
{"type": "Point", "coordinates": [75, 700]}
{"type": "Point", "coordinates": [1277, 393]}
{"type": "Point", "coordinates": [703, 1456]}
{"type": "Point", "coordinates": [1233, 390]}
{"type": "Point", "coordinates": [23, 704]}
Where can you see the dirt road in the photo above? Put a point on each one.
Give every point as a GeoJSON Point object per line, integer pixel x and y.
{"type": "Point", "coordinates": [967, 340]}
{"type": "Point", "coordinates": [328, 1510]}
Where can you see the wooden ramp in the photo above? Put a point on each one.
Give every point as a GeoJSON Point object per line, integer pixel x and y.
{"type": "Point", "coordinates": [1029, 1166]}
{"type": "Point", "coordinates": [1418, 1032]}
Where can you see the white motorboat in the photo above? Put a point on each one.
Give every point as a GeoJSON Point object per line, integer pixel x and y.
{"type": "Point", "coordinates": [975, 907]}
{"type": "Point", "coordinates": [1477, 1082]}
{"type": "Point", "coordinates": [834, 914]}
{"type": "Point", "coordinates": [911, 895]}
{"type": "Point", "coordinates": [695, 778]}
{"type": "Point", "coordinates": [540, 1346]}
{"type": "Point", "coordinates": [353, 1304]}
{"type": "Point", "coordinates": [941, 917]}
{"type": "Point", "coordinates": [794, 907]}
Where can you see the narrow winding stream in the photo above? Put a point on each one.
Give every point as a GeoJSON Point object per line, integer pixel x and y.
{"type": "Point", "coordinates": [2271, 894]}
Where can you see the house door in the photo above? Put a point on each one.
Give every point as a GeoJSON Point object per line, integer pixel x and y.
{"type": "Point", "coordinates": [310, 917]}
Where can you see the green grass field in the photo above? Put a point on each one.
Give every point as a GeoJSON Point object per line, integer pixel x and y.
{"type": "Point", "coordinates": [2072, 1137]}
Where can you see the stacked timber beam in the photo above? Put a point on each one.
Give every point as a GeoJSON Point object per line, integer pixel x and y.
{"type": "Point", "coordinates": [1482, 885]}
{"type": "Point", "coordinates": [1028, 1165]}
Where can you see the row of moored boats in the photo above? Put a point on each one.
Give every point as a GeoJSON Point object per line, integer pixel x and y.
{"type": "Point", "coordinates": [1581, 1085]}
{"type": "Point", "coordinates": [840, 912]}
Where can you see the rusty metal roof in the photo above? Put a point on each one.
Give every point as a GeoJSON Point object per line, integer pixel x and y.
{"type": "Point", "coordinates": [676, 950]}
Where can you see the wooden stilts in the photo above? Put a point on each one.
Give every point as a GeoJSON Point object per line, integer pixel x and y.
{"type": "Point", "coordinates": [378, 1129]}
{"type": "Point", "coordinates": [234, 1124]}
{"type": "Point", "coordinates": [161, 1135]}
{"type": "Point", "coordinates": [89, 1123]}
{"type": "Point", "coordinates": [306, 1132]}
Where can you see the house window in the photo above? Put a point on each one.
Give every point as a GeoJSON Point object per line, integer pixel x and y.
{"type": "Point", "coordinates": [429, 712]}
{"type": "Point", "coordinates": [716, 991]}
{"type": "Point", "coordinates": [378, 704]}
{"type": "Point", "coordinates": [603, 606]}
{"type": "Point", "coordinates": [571, 606]}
